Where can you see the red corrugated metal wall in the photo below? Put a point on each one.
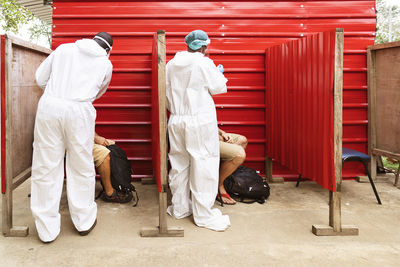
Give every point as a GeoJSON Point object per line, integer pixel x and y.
{"type": "Point", "coordinates": [299, 106]}
{"type": "Point", "coordinates": [239, 31]}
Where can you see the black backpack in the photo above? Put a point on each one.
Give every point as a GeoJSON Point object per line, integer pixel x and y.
{"type": "Point", "coordinates": [245, 183]}
{"type": "Point", "coordinates": [121, 171]}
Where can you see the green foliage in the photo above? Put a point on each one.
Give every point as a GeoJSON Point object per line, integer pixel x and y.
{"type": "Point", "coordinates": [390, 164]}
{"type": "Point", "coordinates": [13, 15]}
{"type": "Point", "coordinates": [382, 29]}
{"type": "Point", "coordinates": [40, 29]}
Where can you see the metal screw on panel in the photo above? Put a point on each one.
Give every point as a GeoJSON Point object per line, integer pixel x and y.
{"type": "Point", "coordinates": [222, 106]}
{"type": "Point", "coordinates": [373, 34]}
{"type": "Point", "coordinates": [301, 24]}
{"type": "Point", "coordinates": [223, 7]}
{"type": "Point", "coordinates": [54, 7]}
{"type": "Point", "coordinates": [223, 25]}
{"type": "Point", "coordinates": [301, 35]}
{"type": "Point", "coordinates": [373, 8]}
{"type": "Point", "coordinates": [222, 124]}
{"type": "Point", "coordinates": [223, 52]}
{"type": "Point", "coordinates": [258, 172]}
{"type": "Point", "coordinates": [54, 26]}
{"type": "Point", "coordinates": [223, 34]}
{"type": "Point", "coordinates": [301, 5]}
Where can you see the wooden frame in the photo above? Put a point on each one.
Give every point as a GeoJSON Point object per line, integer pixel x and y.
{"type": "Point", "coordinates": [162, 230]}
{"type": "Point", "coordinates": [19, 98]}
{"type": "Point", "coordinates": [335, 226]}
{"type": "Point", "coordinates": [383, 62]}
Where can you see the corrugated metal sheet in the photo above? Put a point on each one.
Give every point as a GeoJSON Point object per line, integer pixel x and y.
{"type": "Point", "coordinates": [40, 8]}
{"type": "Point", "coordinates": [239, 31]}
{"type": "Point", "coordinates": [299, 93]}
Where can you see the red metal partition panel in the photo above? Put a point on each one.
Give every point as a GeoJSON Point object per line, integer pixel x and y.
{"type": "Point", "coordinates": [155, 125]}
{"type": "Point", "coordinates": [299, 93]}
{"type": "Point", "coordinates": [239, 31]}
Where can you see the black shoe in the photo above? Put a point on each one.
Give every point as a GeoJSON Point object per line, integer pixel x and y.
{"type": "Point", "coordinates": [117, 197]}
{"type": "Point", "coordinates": [83, 233]}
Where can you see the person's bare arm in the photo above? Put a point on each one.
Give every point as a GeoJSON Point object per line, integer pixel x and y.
{"type": "Point", "coordinates": [100, 140]}
{"type": "Point", "coordinates": [224, 136]}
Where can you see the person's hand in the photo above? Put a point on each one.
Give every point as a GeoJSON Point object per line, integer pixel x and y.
{"type": "Point", "coordinates": [220, 68]}
{"type": "Point", "coordinates": [100, 140]}
{"type": "Point", "coordinates": [227, 138]}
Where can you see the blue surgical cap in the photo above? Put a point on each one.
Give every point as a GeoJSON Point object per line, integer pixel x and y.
{"type": "Point", "coordinates": [196, 39]}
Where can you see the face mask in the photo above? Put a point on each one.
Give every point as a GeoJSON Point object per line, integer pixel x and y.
{"type": "Point", "coordinates": [102, 39]}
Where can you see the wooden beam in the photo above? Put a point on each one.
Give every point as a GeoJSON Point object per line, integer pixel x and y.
{"type": "Point", "coordinates": [335, 220]}
{"type": "Point", "coordinates": [383, 46]}
{"type": "Point", "coordinates": [381, 152]}
{"type": "Point", "coordinates": [371, 67]}
{"type": "Point", "coordinates": [268, 172]}
{"type": "Point", "coordinates": [163, 230]}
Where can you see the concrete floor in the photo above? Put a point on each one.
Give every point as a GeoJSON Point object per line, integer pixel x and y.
{"type": "Point", "coordinates": [277, 233]}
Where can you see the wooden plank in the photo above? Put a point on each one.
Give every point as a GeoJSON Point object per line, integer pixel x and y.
{"type": "Point", "coordinates": [163, 230]}
{"type": "Point", "coordinates": [335, 217]}
{"type": "Point", "coordinates": [387, 108]}
{"type": "Point", "coordinates": [162, 128]}
{"type": "Point", "coordinates": [21, 97]}
{"type": "Point", "coordinates": [22, 177]}
{"type": "Point", "coordinates": [8, 198]}
{"type": "Point", "coordinates": [384, 46]}
{"type": "Point", "coordinates": [325, 230]}
{"type": "Point", "coordinates": [371, 110]}
{"type": "Point", "coordinates": [335, 220]}
{"type": "Point", "coordinates": [268, 172]}
{"type": "Point", "coordinates": [155, 232]}
{"type": "Point", "coordinates": [28, 45]}
{"type": "Point", "coordinates": [381, 152]}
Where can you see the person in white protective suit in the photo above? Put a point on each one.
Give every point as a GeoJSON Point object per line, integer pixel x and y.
{"type": "Point", "coordinates": [193, 133]}
{"type": "Point", "coordinates": [72, 76]}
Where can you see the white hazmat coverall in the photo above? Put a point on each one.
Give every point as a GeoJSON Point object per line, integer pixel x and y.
{"type": "Point", "coordinates": [72, 77]}
{"type": "Point", "coordinates": [193, 133]}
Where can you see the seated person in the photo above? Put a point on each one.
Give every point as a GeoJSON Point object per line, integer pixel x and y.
{"type": "Point", "coordinates": [232, 155]}
{"type": "Point", "coordinates": [101, 157]}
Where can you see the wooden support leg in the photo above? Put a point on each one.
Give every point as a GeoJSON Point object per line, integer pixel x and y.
{"type": "Point", "coordinates": [373, 171]}
{"type": "Point", "coordinates": [7, 220]}
{"type": "Point", "coordinates": [268, 172]}
{"type": "Point", "coordinates": [162, 230]}
{"type": "Point", "coordinates": [335, 227]}
{"type": "Point", "coordinates": [396, 179]}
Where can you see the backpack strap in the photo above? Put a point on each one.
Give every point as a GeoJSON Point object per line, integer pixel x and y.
{"type": "Point", "coordinates": [137, 199]}
{"type": "Point", "coordinates": [261, 201]}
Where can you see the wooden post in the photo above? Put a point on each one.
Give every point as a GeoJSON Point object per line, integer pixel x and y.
{"type": "Point", "coordinates": [268, 172]}
{"type": "Point", "coordinates": [163, 230]}
{"type": "Point", "coordinates": [20, 95]}
{"type": "Point", "coordinates": [7, 227]}
{"type": "Point", "coordinates": [335, 221]}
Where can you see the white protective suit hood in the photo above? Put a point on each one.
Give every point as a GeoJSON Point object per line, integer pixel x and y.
{"type": "Point", "coordinates": [79, 71]}
{"type": "Point", "coordinates": [91, 47]}
{"type": "Point", "coordinates": [191, 80]}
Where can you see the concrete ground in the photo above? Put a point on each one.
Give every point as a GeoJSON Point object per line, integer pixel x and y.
{"type": "Point", "coordinates": [277, 233]}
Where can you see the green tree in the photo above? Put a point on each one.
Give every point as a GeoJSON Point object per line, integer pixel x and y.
{"type": "Point", "coordinates": [13, 16]}
{"type": "Point", "coordinates": [383, 21]}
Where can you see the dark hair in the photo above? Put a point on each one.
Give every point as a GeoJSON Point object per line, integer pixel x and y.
{"type": "Point", "coordinates": [106, 37]}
